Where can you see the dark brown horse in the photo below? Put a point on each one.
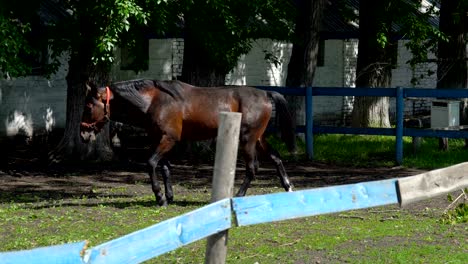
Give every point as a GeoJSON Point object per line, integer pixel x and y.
{"type": "Point", "coordinates": [171, 111]}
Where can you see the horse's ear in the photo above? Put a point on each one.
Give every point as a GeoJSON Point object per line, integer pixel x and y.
{"type": "Point", "coordinates": [91, 88]}
{"type": "Point", "coordinates": [88, 89]}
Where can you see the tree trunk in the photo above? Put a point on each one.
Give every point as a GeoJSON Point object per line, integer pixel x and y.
{"type": "Point", "coordinates": [374, 63]}
{"type": "Point", "coordinates": [452, 58]}
{"type": "Point", "coordinates": [303, 61]}
{"type": "Point", "coordinates": [198, 68]}
{"type": "Point", "coordinates": [71, 149]}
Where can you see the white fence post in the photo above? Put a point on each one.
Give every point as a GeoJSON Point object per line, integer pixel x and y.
{"type": "Point", "coordinates": [223, 178]}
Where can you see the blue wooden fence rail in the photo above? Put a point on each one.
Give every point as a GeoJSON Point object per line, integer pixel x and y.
{"type": "Point", "coordinates": [399, 131]}
{"type": "Point", "coordinates": [283, 206]}
{"type": "Point", "coordinates": [173, 233]}
{"type": "Point", "coordinates": [179, 231]}
{"type": "Point", "coordinates": [164, 237]}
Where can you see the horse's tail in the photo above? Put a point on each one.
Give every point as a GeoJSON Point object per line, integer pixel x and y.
{"type": "Point", "coordinates": [287, 124]}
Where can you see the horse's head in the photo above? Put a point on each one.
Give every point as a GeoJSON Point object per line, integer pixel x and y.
{"type": "Point", "coordinates": [96, 111]}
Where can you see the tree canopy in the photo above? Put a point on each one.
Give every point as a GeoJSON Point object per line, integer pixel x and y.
{"type": "Point", "coordinates": [14, 44]}
{"type": "Point", "coordinates": [216, 33]}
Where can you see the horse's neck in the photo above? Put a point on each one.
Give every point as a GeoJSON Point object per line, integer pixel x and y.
{"type": "Point", "coordinates": [122, 110]}
{"type": "Point", "coordinates": [133, 97]}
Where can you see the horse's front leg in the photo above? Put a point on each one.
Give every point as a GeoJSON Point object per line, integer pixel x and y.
{"type": "Point", "coordinates": [164, 146]}
{"type": "Point", "coordinates": [155, 186]}
{"type": "Point", "coordinates": [166, 174]}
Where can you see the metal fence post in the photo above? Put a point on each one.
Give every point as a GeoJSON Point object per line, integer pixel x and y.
{"type": "Point", "coordinates": [309, 133]}
{"type": "Point", "coordinates": [399, 125]}
{"type": "Point", "coordinates": [223, 179]}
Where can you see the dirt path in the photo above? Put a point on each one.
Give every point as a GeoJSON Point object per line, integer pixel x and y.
{"type": "Point", "coordinates": [62, 184]}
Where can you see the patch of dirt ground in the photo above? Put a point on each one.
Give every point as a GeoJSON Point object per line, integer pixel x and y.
{"type": "Point", "coordinates": [62, 184]}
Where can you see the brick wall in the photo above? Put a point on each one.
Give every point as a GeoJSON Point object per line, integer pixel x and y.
{"type": "Point", "coordinates": [413, 77]}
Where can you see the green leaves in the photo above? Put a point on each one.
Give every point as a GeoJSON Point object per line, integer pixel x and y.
{"type": "Point", "coordinates": [226, 29]}
{"type": "Point", "coordinates": [94, 28]}
{"type": "Point", "coordinates": [418, 27]}
{"type": "Point", "coordinates": [13, 43]}
{"type": "Point", "coordinates": [382, 39]}
{"type": "Point", "coordinates": [119, 17]}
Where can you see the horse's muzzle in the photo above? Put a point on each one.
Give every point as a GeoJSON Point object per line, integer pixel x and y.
{"type": "Point", "coordinates": [87, 136]}
{"type": "Point", "coordinates": [87, 133]}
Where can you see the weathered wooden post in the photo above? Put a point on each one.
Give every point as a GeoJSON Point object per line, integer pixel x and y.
{"type": "Point", "coordinates": [223, 178]}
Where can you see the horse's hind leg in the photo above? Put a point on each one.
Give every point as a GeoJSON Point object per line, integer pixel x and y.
{"type": "Point", "coordinates": [271, 153]}
{"type": "Point", "coordinates": [249, 157]}
{"type": "Point", "coordinates": [166, 174]}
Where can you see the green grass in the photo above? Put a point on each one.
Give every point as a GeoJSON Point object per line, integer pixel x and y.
{"type": "Point", "coordinates": [28, 225]}
{"type": "Point", "coordinates": [378, 235]}
{"type": "Point", "coordinates": [379, 151]}
{"type": "Point", "coordinates": [337, 238]}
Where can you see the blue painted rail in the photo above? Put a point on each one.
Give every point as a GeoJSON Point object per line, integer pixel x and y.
{"type": "Point", "coordinates": [216, 217]}
{"type": "Point", "coordinates": [179, 231]}
{"type": "Point", "coordinates": [399, 131]}
{"type": "Point", "coordinates": [283, 206]}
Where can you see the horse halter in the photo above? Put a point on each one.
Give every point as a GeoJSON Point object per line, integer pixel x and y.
{"type": "Point", "coordinates": [106, 104]}
{"type": "Point", "coordinates": [93, 125]}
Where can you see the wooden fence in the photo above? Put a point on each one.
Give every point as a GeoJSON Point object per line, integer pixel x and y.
{"type": "Point", "coordinates": [217, 217]}
{"type": "Point", "coordinates": [399, 131]}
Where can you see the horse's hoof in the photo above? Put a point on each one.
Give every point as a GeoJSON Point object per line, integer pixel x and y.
{"type": "Point", "coordinates": [170, 200]}
{"type": "Point", "coordinates": [240, 194]}
{"type": "Point", "coordinates": [162, 202]}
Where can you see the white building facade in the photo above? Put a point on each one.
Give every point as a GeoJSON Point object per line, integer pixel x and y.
{"type": "Point", "coordinates": [38, 105]}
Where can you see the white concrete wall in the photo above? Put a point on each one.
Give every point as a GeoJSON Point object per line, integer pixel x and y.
{"type": "Point", "coordinates": [413, 77]}
{"type": "Point", "coordinates": [253, 69]}
{"type": "Point", "coordinates": [163, 55]}
{"type": "Point", "coordinates": [39, 103]}
{"type": "Point", "coordinates": [33, 104]}
{"type": "Point", "coordinates": [328, 109]}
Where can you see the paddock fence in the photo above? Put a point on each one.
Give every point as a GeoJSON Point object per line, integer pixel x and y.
{"type": "Point", "coordinates": [399, 131]}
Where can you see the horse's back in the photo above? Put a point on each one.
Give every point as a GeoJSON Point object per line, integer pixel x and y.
{"type": "Point", "coordinates": [243, 99]}
{"type": "Point", "coordinates": [254, 104]}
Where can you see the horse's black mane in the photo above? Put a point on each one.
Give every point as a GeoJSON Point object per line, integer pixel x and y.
{"type": "Point", "coordinates": [131, 88]}
{"type": "Point", "coordinates": [173, 88]}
